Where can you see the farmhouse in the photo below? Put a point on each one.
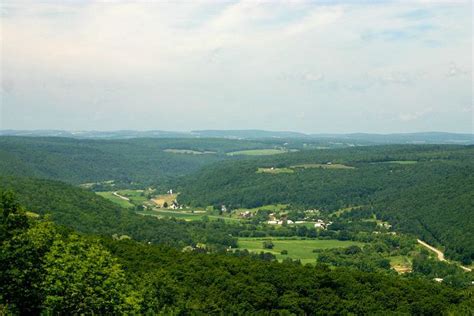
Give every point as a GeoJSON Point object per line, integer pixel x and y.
{"type": "Point", "coordinates": [321, 224]}
{"type": "Point", "coordinates": [175, 206]}
{"type": "Point", "coordinates": [246, 214]}
{"type": "Point", "coordinates": [272, 217]}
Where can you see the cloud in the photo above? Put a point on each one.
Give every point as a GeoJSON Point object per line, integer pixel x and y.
{"type": "Point", "coordinates": [455, 71]}
{"type": "Point", "coordinates": [415, 115]}
{"type": "Point", "coordinates": [183, 60]}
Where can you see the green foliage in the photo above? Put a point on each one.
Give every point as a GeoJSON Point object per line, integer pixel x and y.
{"type": "Point", "coordinates": [429, 198]}
{"type": "Point", "coordinates": [43, 269]}
{"type": "Point", "coordinates": [83, 278]}
{"type": "Point", "coordinates": [432, 268]}
{"type": "Point", "coordinates": [194, 283]}
{"type": "Point", "coordinates": [128, 162]}
{"type": "Point", "coordinates": [50, 271]}
{"type": "Point", "coordinates": [87, 212]}
{"type": "Point", "coordinates": [267, 244]}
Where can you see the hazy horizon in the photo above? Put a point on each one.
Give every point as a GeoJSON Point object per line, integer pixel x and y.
{"type": "Point", "coordinates": [311, 67]}
{"type": "Point", "coordinates": [228, 130]}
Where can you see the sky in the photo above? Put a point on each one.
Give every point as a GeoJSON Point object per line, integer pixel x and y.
{"type": "Point", "coordinates": [309, 66]}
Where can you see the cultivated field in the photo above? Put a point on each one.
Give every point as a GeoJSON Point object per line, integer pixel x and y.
{"type": "Point", "coordinates": [323, 166]}
{"type": "Point", "coordinates": [117, 200]}
{"type": "Point", "coordinates": [297, 248]}
{"type": "Point", "coordinates": [161, 199]}
{"type": "Point", "coordinates": [188, 216]}
{"type": "Point", "coordinates": [258, 152]}
{"type": "Point", "coordinates": [188, 151]}
{"type": "Point", "coordinates": [275, 170]}
{"type": "Point", "coordinates": [402, 162]}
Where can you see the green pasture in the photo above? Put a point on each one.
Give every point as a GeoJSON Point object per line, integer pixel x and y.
{"type": "Point", "coordinates": [257, 152]}
{"type": "Point", "coordinates": [188, 152]}
{"type": "Point", "coordinates": [115, 199]}
{"type": "Point", "coordinates": [297, 248]}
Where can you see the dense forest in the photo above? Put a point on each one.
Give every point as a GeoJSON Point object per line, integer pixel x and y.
{"type": "Point", "coordinates": [130, 263]}
{"type": "Point", "coordinates": [87, 212]}
{"type": "Point", "coordinates": [48, 269]}
{"type": "Point", "coordinates": [424, 190]}
{"type": "Point", "coordinates": [140, 162]}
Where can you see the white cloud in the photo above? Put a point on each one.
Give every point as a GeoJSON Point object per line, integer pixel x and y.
{"type": "Point", "coordinates": [185, 59]}
{"type": "Point", "coordinates": [415, 115]}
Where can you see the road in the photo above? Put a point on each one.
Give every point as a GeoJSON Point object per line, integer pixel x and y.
{"type": "Point", "coordinates": [121, 196]}
{"type": "Point", "coordinates": [440, 254]}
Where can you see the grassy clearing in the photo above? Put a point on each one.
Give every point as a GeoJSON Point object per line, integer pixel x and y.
{"type": "Point", "coordinates": [401, 162]}
{"type": "Point", "coordinates": [185, 215]}
{"type": "Point", "coordinates": [91, 184]}
{"type": "Point", "coordinates": [258, 152]}
{"type": "Point", "coordinates": [275, 170]}
{"type": "Point", "coordinates": [401, 264]}
{"type": "Point", "coordinates": [188, 216]}
{"type": "Point", "coordinates": [32, 214]}
{"type": "Point", "coordinates": [188, 152]}
{"type": "Point", "coordinates": [137, 197]}
{"type": "Point", "coordinates": [115, 199]}
{"type": "Point", "coordinates": [297, 248]}
{"type": "Point", "coordinates": [322, 166]}
{"type": "Point", "coordinates": [270, 207]}
{"type": "Point", "coordinates": [345, 209]}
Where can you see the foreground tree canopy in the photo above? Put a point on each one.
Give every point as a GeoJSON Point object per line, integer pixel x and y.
{"type": "Point", "coordinates": [49, 269]}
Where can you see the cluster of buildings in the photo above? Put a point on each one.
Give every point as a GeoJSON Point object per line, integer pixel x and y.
{"type": "Point", "coordinates": [246, 214]}
{"type": "Point", "coordinates": [322, 224]}
{"type": "Point", "coordinates": [273, 220]}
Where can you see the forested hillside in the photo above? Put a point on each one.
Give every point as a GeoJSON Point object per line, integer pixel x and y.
{"type": "Point", "coordinates": [425, 190]}
{"type": "Point", "coordinates": [127, 162]}
{"type": "Point", "coordinates": [46, 270]}
{"type": "Point", "coordinates": [87, 212]}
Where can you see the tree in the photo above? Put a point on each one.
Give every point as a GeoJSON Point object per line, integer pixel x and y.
{"type": "Point", "coordinates": [83, 278]}
{"type": "Point", "coordinates": [22, 248]}
{"type": "Point", "coordinates": [268, 244]}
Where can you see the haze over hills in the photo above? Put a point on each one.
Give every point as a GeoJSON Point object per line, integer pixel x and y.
{"type": "Point", "coordinates": [239, 157]}
{"type": "Point", "coordinates": [359, 138]}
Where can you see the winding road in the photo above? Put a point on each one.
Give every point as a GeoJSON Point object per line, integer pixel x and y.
{"type": "Point", "coordinates": [121, 196]}
{"type": "Point", "coordinates": [439, 254]}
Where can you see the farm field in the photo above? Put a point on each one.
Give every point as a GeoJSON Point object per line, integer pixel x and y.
{"type": "Point", "coordinates": [185, 215]}
{"type": "Point", "coordinates": [401, 264]}
{"type": "Point", "coordinates": [175, 214]}
{"type": "Point", "coordinates": [135, 197]}
{"type": "Point", "coordinates": [323, 166]}
{"type": "Point", "coordinates": [257, 152]}
{"type": "Point", "coordinates": [115, 199]}
{"type": "Point", "coordinates": [275, 170]}
{"type": "Point", "coordinates": [297, 248]}
{"type": "Point", "coordinates": [164, 198]}
{"type": "Point", "coordinates": [401, 162]}
{"type": "Point", "coordinates": [188, 152]}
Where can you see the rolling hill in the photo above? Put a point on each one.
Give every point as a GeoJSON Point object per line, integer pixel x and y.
{"type": "Point", "coordinates": [424, 190]}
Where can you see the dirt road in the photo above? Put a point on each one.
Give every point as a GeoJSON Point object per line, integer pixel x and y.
{"type": "Point", "coordinates": [440, 254]}
{"type": "Point", "coordinates": [121, 196]}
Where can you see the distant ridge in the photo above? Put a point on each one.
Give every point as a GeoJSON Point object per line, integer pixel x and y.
{"type": "Point", "coordinates": [367, 138]}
